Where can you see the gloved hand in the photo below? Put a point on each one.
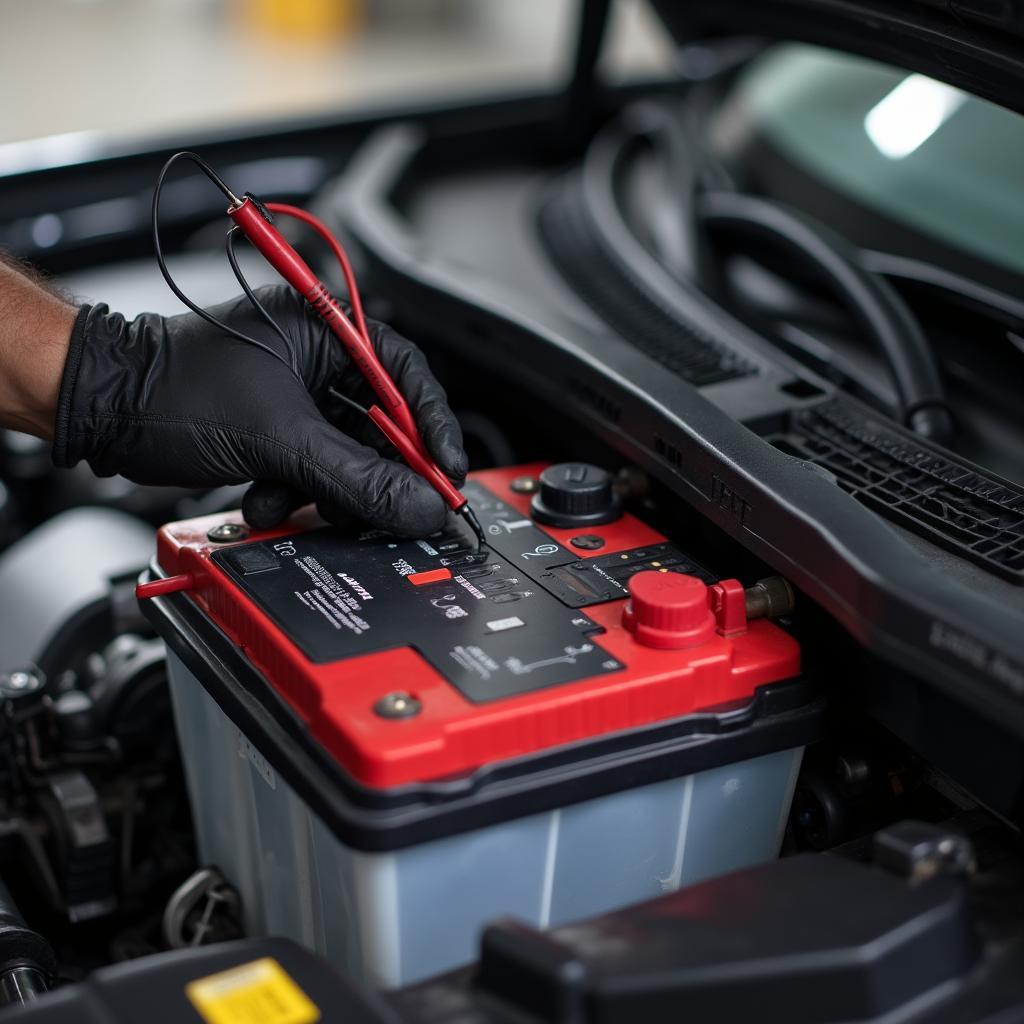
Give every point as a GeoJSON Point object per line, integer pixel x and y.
{"type": "Point", "coordinates": [177, 401]}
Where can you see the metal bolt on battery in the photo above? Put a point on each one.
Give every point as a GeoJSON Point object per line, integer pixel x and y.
{"type": "Point", "coordinates": [398, 705]}
{"type": "Point", "coordinates": [223, 533]}
{"type": "Point", "coordinates": [525, 485]}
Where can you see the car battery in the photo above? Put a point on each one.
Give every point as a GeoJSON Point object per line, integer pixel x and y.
{"type": "Point", "coordinates": [390, 743]}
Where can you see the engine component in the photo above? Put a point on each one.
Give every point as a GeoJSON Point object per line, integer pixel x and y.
{"type": "Point", "coordinates": [85, 849]}
{"type": "Point", "coordinates": [86, 738]}
{"type": "Point", "coordinates": [39, 612]}
{"type": "Point", "coordinates": [27, 962]}
{"type": "Point", "coordinates": [389, 743]}
{"type": "Point", "coordinates": [128, 688]}
{"type": "Point", "coordinates": [22, 685]}
{"type": "Point", "coordinates": [919, 851]}
{"type": "Point", "coordinates": [203, 909]}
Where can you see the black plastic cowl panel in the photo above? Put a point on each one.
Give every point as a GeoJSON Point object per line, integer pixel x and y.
{"type": "Point", "coordinates": [955, 504]}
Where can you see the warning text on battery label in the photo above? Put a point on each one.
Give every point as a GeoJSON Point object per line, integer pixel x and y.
{"type": "Point", "coordinates": [330, 599]}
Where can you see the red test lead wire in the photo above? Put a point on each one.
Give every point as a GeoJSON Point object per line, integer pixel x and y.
{"type": "Point", "coordinates": [165, 585]}
{"type": "Point", "coordinates": [412, 456]}
{"type": "Point", "coordinates": [340, 255]}
{"type": "Point", "coordinates": [294, 269]}
{"type": "Point", "coordinates": [451, 494]}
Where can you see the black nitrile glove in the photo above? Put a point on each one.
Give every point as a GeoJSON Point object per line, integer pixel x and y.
{"type": "Point", "coordinates": [175, 400]}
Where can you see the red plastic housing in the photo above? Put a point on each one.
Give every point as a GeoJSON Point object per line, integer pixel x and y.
{"type": "Point", "coordinates": [451, 735]}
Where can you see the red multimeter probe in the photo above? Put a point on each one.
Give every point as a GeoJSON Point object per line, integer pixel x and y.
{"type": "Point", "coordinates": [393, 417]}
{"type": "Point", "coordinates": [395, 420]}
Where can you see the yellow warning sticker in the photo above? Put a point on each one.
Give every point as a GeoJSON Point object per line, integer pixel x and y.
{"type": "Point", "coordinates": [260, 992]}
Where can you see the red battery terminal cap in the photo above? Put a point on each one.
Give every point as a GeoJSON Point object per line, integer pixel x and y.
{"type": "Point", "coordinates": [668, 610]}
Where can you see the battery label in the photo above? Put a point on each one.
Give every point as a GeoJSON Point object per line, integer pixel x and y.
{"type": "Point", "coordinates": [475, 616]}
{"type": "Point", "coordinates": [260, 992]}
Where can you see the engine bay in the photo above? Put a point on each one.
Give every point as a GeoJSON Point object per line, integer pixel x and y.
{"type": "Point", "coordinates": [726, 710]}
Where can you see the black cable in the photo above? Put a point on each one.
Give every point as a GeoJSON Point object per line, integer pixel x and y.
{"type": "Point", "coordinates": [187, 154]}
{"type": "Point", "coordinates": [684, 247]}
{"type": "Point", "coordinates": [356, 407]}
{"type": "Point", "coordinates": [966, 292]}
{"type": "Point", "coordinates": [465, 511]}
{"type": "Point", "coordinates": [229, 245]}
{"type": "Point", "coordinates": [870, 299]}
{"type": "Point", "coordinates": [877, 306]}
{"type": "Point", "coordinates": [161, 263]}
{"type": "Point", "coordinates": [335, 393]}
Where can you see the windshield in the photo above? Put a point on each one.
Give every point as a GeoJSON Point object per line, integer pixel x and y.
{"type": "Point", "coordinates": [915, 150]}
{"type": "Point", "coordinates": [72, 70]}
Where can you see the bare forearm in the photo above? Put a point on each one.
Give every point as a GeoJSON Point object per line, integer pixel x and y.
{"type": "Point", "coordinates": [35, 327]}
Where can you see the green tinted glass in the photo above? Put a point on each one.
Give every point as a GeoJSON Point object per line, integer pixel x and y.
{"type": "Point", "coordinates": [914, 149]}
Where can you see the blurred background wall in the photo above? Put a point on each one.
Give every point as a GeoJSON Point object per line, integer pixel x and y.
{"type": "Point", "coordinates": [156, 67]}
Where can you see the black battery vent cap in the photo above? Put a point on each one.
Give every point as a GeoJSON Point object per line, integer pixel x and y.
{"type": "Point", "coordinates": [575, 494]}
{"type": "Point", "coordinates": [806, 940]}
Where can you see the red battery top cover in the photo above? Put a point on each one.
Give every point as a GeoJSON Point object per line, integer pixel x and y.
{"type": "Point", "coordinates": [478, 697]}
